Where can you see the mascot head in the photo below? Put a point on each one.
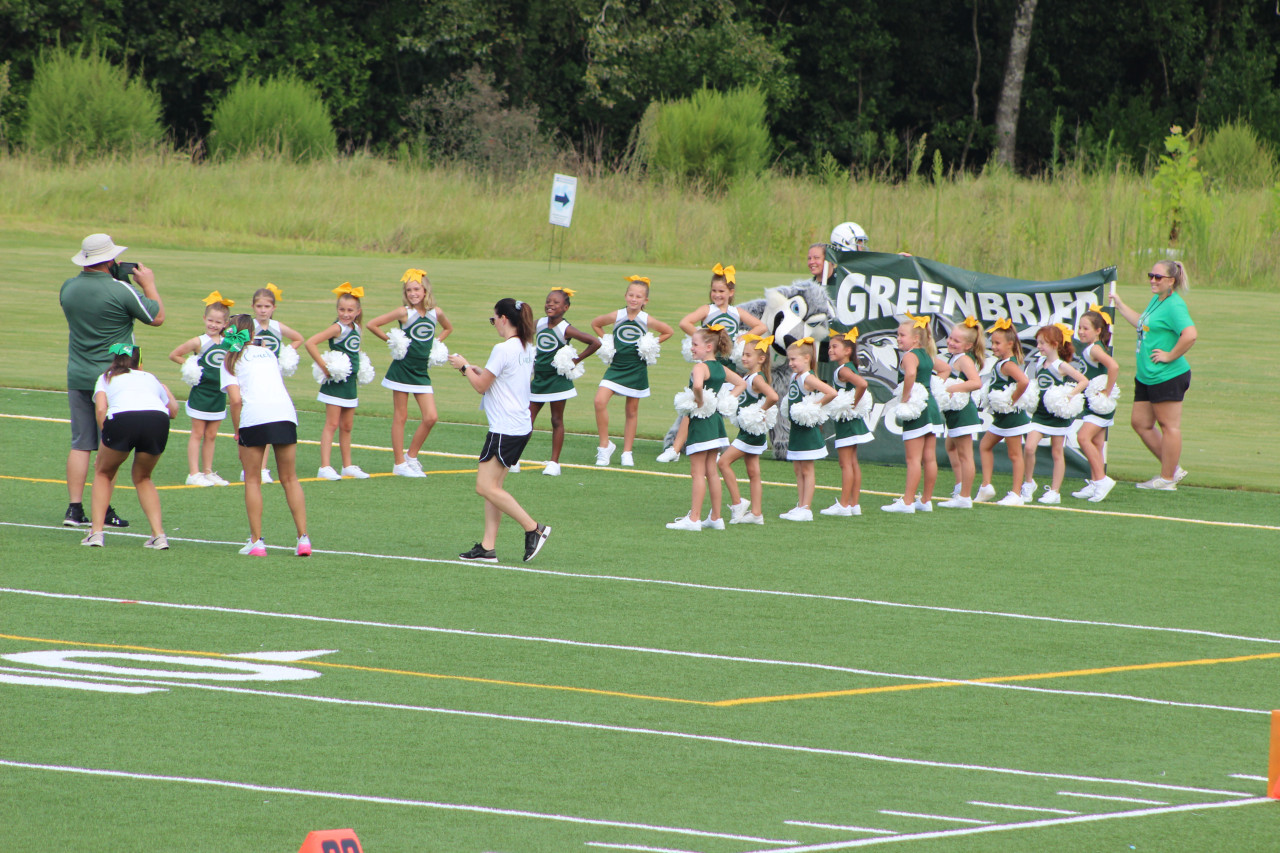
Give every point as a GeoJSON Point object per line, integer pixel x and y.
{"type": "Point", "coordinates": [793, 311]}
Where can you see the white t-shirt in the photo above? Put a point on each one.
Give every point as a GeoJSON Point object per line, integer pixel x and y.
{"type": "Point", "coordinates": [506, 403]}
{"type": "Point", "coordinates": [135, 391]}
{"type": "Point", "coordinates": [263, 398]}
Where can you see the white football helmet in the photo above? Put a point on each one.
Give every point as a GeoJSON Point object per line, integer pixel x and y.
{"type": "Point", "coordinates": [849, 237]}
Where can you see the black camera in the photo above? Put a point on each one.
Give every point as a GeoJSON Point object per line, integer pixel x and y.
{"type": "Point", "coordinates": [122, 271]}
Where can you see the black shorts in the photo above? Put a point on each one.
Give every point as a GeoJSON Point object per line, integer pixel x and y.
{"type": "Point", "coordinates": [506, 448]}
{"type": "Point", "coordinates": [274, 433]}
{"type": "Point", "coordinates": [1169, 391]}
{"type": "Point", "coordinates": [145, 432]}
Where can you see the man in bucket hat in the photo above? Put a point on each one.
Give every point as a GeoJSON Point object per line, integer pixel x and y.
{"type": "Point", "coordinates": [100, 311]}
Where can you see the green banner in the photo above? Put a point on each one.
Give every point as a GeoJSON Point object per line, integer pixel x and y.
{"type": "Point", "coordinates": [874, 292]}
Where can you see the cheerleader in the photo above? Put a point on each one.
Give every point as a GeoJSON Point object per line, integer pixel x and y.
{"type": "Point", "coordinates": [806, 443]}
{"type": "Point", "coordinates": [206, 404]}
{"type": "Point", "coordinates": [1009, 425]}
{"type": "Point", "coordinates": [1094, 332]}
{"type": "Point", "coordinates": [850, 432]}
{"type": "Point", "coordinates": [750, 445]}
{"type": "Point", "coordinates": [552, 334]}
{"type": "Point", "coordinates": [423, 325]}
{"type": "Point", "coordinates": [1053, 370]}
{"type": "Point", "coordinates": [340, 397]}
{"type": "Point", "coordinates": [919, 435]}
{"type": "Point", "coordinates": [966, 354]}
{"type": "Point", "coordinates": [273, 335]}
{"type": "Point", "coordinates": [628, 373]}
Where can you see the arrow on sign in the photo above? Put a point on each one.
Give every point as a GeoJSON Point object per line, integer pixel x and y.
{"type": "Point", "coordinates": [562, 199]}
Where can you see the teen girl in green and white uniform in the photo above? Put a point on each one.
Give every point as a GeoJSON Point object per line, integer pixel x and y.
{"type": "Point", "coordinates": [628, 374]}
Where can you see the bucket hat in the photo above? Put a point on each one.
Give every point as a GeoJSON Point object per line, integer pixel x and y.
{"type": "Point", "coordinates": [95, 249]}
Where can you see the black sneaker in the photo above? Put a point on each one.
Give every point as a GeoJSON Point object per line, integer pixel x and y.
{"type": "Point", "coordinates": [534, 540]}
{"type": "Point", "coordinates": [75, 516]}
{"type": "Point", "coordinates": [113, 520]}
{"type": "Point", "coordinates": [479, 554]}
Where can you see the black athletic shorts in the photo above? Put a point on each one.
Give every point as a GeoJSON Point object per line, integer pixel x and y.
{"type": "Point", "coordinates": [1168, 391]}
{"type": "Point", "coordinates": [276, 432]}
{"type": "Point", "coordinates": [145, 432]}
{"type": "Point", "coordinates": [507, 448]}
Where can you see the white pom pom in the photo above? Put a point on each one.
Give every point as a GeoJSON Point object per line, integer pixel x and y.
{"type": "Point", "coordinates": [649, 348]}
{"type": "Point", "coordinates": [1030, 399]}
{"type": "Point", "coordinates": [191, 370]}
{"type": "Point", "coordinates": [686, 348]}
{"type": "Point", "coordinates": [338, 364]}
{"type": "Point", "coordinates": [947, 402]}
{"type": "Point", "coordinates": [1061, 403]}
{"type": "Point", "coordinates": [562, 361]}
{"type": "Point", "coordinates": [1000, 401]}
{"type": "Point", "coordinates": [841, 407]}
{"type": "Point", "coordinates": [1099, 403]}
{"type": "Point", "coordinates": [808, 412]}
{"type": "Point", "coordinates": [771, 417]}
{"type": "Point", "coordinates": [398, 343]}
{"type": "Point", "coordinates": [863, 407]}
{"type": "Point", "coordinates": [910, 410]}
{"type": "Point", "coordinates": [726, 401]}
{"type": "Point", "coordinates": [607, 348]}
{"type": "Point", "coordinates": [738, 347]}
{"type": "Point", "coordinates": [439, 354]}
{"type": "Point", "coordinates": [365, 374]}
{"type": "Point", "coordinates": [288, 359]}
{"type": "Point", "coordinates": [753, 419]}
{"type": "Point", "coordinates": [683, 402]}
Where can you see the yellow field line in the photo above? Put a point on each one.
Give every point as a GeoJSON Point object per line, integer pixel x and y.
{"type": "Point", "coordinates": [330, 665]}
{"type": "Point", "coordinates": [997, 679]}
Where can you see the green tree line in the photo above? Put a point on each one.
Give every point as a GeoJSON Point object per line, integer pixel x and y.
{"type": "Point", "coordinates": [856, 82]}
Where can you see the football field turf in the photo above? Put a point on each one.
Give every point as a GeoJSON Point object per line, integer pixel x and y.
{"type": "Point", "coordinates": [1084, 677]}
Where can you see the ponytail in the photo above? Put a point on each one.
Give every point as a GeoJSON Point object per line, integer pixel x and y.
{"type": "Point", "coordinates": [519, 315]}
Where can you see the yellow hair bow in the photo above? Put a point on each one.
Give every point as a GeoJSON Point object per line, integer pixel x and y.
{"type": "Point", "coordinates": [729, 273]}
{"type": "Point", "coordinates": [415, 275]}
{"type": "Point", "coordinates": [218, 297]}
{"type": "Point", "coordinates": [803, 341]}
{"type": "Point", "coordinates": [764, 343]}
{"type": "Point", "coordinates": [637, 279]}
{"type": "Point", "coordinates": [972, 322]}
{"type": "Point", "coordinates": [921, 322]}
{"type": "Point", "coordinates": [1002, 323]}
{"type": "Point", "coordinates": [1100, 311]}
{"type": "Point", "coordinates": [275, 291]}
{"type": "Point", "coordinates": [566, 291]}
{"type": "Point", "coordinates": [345, 289]}
{"type": "Point", "coordinates": [1067, 331]}
{"type": "Point", "coordinates": [851, 336]}
{"type": "Point", "coordinates": [714, 328]}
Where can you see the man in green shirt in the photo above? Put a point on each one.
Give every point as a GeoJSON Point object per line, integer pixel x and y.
{"type": "Point", "coordinates": [100, 311]}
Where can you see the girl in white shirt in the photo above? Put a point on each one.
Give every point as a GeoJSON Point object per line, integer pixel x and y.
{"type": "Point", "coordinates": [262, 414]}
{"type": "Point", "coordinates": [133, 410]}
{"type": "Point", "coordinates": [504, 382]}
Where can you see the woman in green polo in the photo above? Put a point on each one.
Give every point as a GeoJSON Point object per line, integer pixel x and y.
{"type": "Point", "coordinates": [1162, 374]}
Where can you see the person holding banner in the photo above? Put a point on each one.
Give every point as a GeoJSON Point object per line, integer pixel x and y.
{"type": "Point", "coordinates": [1162, 374]}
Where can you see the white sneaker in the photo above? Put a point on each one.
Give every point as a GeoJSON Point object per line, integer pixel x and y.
{"type": "Point", "coordinates": [798, 513]}
{"type": "Point", "coordinates": [514, 469]}
{"type": "Point", "coordinates": [899, 506]}
{"type": "Point", "coordinates": [1011, 499]}
{"type": "Point", "coordinates": [739, 509]}
{"type": "Point", "coordinates": [266, 476]}
{"type": "Point", "coordinates": [1101, 488]}
{"type": "Point", "coordinates": [748, 518]}
{"type": "Point", "coordinates": [955, 490]}
{"type": "Point", "coordinates": [628, 460]}
{"type": "Point", "coordinates": [213, 477]}
{"type": "Point", "coordinates": [1050, 497]}
{"type": "Point", "coordinates": [604, 454]}
{"type": "Point", "coordinates": [985, 493]}
{"type": "Point", "coordinates": [958, 502]}
{"type": "Point", "coordinates": [354, 472]}
{"type": "Point", "coordinates": [259, 545]}
{"type": "Point", "coordinates": [670, 454]}
{"type": "Point", "coordinates": [684, 523]}
{"type": "Point", "coordinates": [412, 462]}
{"type": "Point", "coordinates": [327, 473]}
{"type": "Point", "coordinates": [1087, 491]}
{"type": "Point", "coordinates": [710, 523]}
{"type": "Point", "coordinates": [1179, 474]}
{"type": "Point", "coordinates": [404, 469]}
{"type": "Point", "coordinates": [856, 509]}
{"type": "Point", "coordinates": [1028, 491]}
{"type": "Point", "coordinates": [198, 479]}
{"type": "Point", "coordinates": [923, 506]}
{"type": "Point", "coordinates": [552, 469]}
{"type": "Point", "coordinates": [836, 508]}
{"type": "Point", "coordinates": [1160, 484]}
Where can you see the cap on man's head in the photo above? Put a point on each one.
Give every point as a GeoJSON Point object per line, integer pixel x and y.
{"type": "Point", "coordinates": [95, 249]}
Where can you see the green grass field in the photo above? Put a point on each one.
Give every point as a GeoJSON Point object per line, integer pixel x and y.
{"type": "Point", "coordinates": [1084, 678]}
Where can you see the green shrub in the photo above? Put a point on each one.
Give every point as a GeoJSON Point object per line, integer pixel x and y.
{"type": "Point", "coordinates": [711, 137]}
{"type": "Point", "coordinates": [1233, 157]}
{"type": "Point", "coordinates": [82, 104]}
{"type": "Point", "coordinates": [281, 117]}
